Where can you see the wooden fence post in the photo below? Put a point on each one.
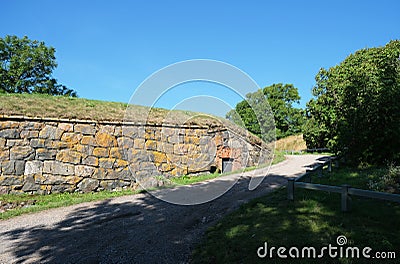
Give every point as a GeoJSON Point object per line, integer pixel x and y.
{"type": "Point", "coordinates": [320, 171]}
{"type": "Point", "coordinates": [346, 199]}
{"type": "Point", "coordinates": [330, 165]}
{"type": "Point", "coordinates": [290, 189]}
{"type": "Point", "coordinates": [307, 178]}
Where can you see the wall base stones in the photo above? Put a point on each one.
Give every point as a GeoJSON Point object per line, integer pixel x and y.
{"type": "Point", "coordinates": [49, 155]}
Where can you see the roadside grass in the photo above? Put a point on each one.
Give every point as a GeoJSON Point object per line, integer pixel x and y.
{"type": "Point", "coordinates": [187, 179]}
{"type": "Point", "coordinates": [294, 142]}
{"type": "Point", "coordinates": [314, 219]}
{"type": "Point", "coordinates": [44, 202]}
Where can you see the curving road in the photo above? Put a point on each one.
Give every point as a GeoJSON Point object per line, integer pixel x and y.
{"type": "Point", "coordinates": [138, 228]}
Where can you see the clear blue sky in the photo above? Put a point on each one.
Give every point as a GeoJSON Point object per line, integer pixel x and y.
{"type": "Point", "coordinates": [105, 49]}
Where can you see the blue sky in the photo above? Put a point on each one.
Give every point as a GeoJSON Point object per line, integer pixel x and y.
{"type": "Point", "coordinates": [106, 49]}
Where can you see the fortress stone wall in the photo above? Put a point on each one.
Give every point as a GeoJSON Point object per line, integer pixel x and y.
{"type": "Point", "coordinates": [39, 155]}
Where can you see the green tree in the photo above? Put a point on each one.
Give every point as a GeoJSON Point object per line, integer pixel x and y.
{"type": "Point", "coordinates": [278, 100]}
{"type": "Point", "coordinates": [26, 66]}
{"type": "Point", "coordinates": [355, 110]}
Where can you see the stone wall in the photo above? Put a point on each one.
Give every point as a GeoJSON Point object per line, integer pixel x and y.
{"type": "Point", "coordinates": [55, 155]}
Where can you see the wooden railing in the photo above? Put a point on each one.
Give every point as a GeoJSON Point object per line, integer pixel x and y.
{"type": "Point", "coordinates": [345, 190]}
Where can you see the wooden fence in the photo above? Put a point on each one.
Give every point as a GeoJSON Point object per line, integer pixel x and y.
{"type": "Point", "coordinates": [345, 190]}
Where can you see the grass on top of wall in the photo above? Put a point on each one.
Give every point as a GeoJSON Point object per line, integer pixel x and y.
{"type": "Point", "coordinates": [47, 106]}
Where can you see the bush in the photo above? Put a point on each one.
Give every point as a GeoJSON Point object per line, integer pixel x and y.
{"type": "Point", "coordinates": [390, 182]}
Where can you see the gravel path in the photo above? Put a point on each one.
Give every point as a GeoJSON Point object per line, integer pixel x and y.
{"type": "Point", "coordinates": [133, 229]}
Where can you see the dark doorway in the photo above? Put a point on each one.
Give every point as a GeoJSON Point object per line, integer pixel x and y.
{"type": "Point", "coordinates": [227, 165]}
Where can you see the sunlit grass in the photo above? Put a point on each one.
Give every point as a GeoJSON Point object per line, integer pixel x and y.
{"type": "Point", "coordinates": [44, 202]}
{"type": "Point", "coordinates": [313, 219]}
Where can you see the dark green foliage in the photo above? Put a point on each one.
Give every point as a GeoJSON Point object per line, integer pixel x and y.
{"type": "Point", "coordinates": [279, 99]}
{"type": "Point", "coordinates": [26, 67]}
{"type": "Point", "coordinates": [356, 108]}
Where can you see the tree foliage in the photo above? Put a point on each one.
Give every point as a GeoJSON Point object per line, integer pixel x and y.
{"type": "Point", "coordinates": [26, 66]}
{"type": "Point", "coordinates": [356, 108]}
{"type": "Point", "coordinates": [274, 105]}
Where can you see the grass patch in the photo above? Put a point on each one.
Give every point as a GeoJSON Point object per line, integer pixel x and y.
{"type": "Point", "coordinates": [187, 179]}
{"type": "Point", "coordinates": [48, 106]}
{"type": "Point", "coordinates": [313, 219]}
{"type": "Point", "coordinates": [294, 142]}
{"type": "Point", "coordinates": [44, 202]}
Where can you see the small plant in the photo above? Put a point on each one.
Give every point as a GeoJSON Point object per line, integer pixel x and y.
{"type": "Point", "coordinates": [389, 182]}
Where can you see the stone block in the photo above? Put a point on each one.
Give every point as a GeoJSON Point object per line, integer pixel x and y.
{"type": "Point", "coordinates": [165, 147]}
{"type": "Point", "coordinates": [151, 144]}
{"type": "Point", "coordinates": [19, 167]}
{"type": "Point", "coordinates": [105, 140]}
{"type": "Point", "coordinates": [120, 163]}
{"type": "Point", "coordinates": [8, 124]}
{"type": "Point", "coordinates": [91, 161]}
{"type": "Point", "coordinates": [31, 125]}
{"type": "Point", "coordinates": [100, 152]}
{"type": "Point", "coordinates": [30, 185]}
{"type": "Point", "coordinates": [139, 143]}
{"type": "Point", "coordinates": [147, 166]}
{"type": "Point", "coordinates": [159, 157]}
{"type": "Point", "coordinates": [8, 180]}
{"type": "Point", "coordinates": [84, 150]}
{"type": "Point", "coordinates": [115, 153]}
{"type": "Point", "coordinates": [125, 142]}
{"type": "Point", "coordinates": [29, 134]}
{"type": "Point", "coordinates": [50, 132]}
{"type": "Point", "coordinates": [16, 142]}
{"type": "Point", "coordinates": [84, 171]}
{"type": "Point", "coordinates": [53, 179]}
{"type": "Point", "coordinates": [106, 163]}
{"type": "Point", "coordinates": [8, 167]}
{"type": "Point", "coordinates": [37, 143]}
{"type": "Point", "coordinates": [57, 144]}
{"type": "Point", "coordinates": [123, 174]}
{"type": "Point", "coordinates": [4, 154]}
{"type": "Point", "coordinates": [73, 180]}
{"type": "Point", "coordinates": [67, 127]}
{"type": "Point", "coordinates": [62, 188]}
{"type": "Point", "coordinates": [130, 131]}
{"type": "Point", "coordinates": [135, 155]}
{"type": "Point", "coordinates": [111, 185]}
{"type": "Point", "coordinates": [99, 173]}
{"type": "Point", "coordinates": [45, 154]}
{"type": "Point", "coordinates": [58, 168]}
{"type": "Point", "coordinates": [165, 167]}
{"type": "Point", "coordinates": [9, 133]}
{"type": "Point", "coordinates": [2, 142]}
{"type": "Point", "coordinates": [88, 185]}
{"type": "Point", "coordinates": [71, 138]}
{"type": "Point", "coordinates": [69, 156]}
{"type": "Point", "coordinates": [192, 140]}
{"type": "Point", "coordinates": [175, 139]}
{"type": "Point", "coordinates": [108, 129]}
{"type": "Point", "coordinates": [88, 140]}
{"type": "Point", "coordinates": [33, 167]}
{"type": "Point", "coordinates": [85, 129]}
{"type": "Point", "coordinates": [22, 152]}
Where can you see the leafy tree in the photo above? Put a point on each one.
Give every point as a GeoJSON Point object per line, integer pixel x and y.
{"type": "Point", "coordinates": [355, 110]}
{"type": "Point", "coordinates": [26, 67]}
{"type": "Point", "coordinates": [278, 100]}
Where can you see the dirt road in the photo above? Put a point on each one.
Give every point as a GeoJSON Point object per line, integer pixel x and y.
{"type": "Point", "coordinates": [133, 229]}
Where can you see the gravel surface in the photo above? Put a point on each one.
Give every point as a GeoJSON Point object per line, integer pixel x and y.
{"type": "Point", "coordinates": [133, 229]}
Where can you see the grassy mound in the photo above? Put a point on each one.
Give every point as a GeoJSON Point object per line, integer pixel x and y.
{"type": "Point", "coordinates": [295, 143]}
